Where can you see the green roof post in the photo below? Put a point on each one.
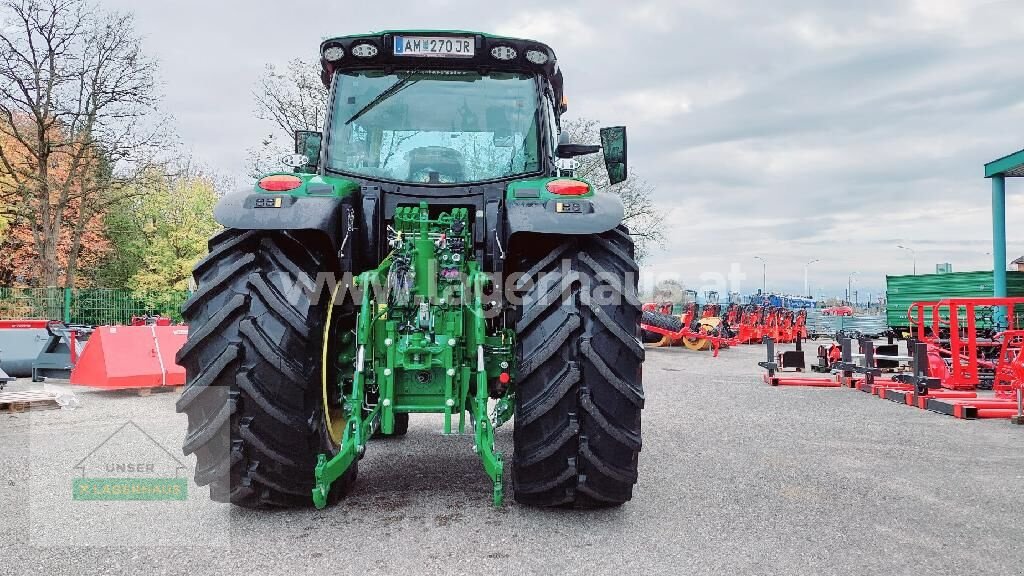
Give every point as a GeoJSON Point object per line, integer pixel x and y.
{"type": "Point", "coordinates": [66, 312]}
{"type": "Point", "coordinates": [999, 243]}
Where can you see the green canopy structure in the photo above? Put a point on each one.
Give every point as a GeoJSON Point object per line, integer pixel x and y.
{"type": "Point", "coordinates": [1011, 166]}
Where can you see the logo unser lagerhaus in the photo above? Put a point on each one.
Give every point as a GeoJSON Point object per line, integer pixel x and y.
{"type": "Point", "coordinates": [140, 479]}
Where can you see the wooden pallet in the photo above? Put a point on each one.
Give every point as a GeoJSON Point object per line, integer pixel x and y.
{"type": "Point", "coordinates": [15, 402]}
{"type": "Point", "coordinates": [150, 390]}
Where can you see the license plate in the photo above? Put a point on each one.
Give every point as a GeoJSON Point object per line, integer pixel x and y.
{"type": "Point", "coordinates": [435, 46]}
{"type": "Point", "coordinates": [273, 202]}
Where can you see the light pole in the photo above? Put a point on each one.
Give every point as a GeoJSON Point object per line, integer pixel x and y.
{"type": "Point", "coordinates": [806, 289]}
{"type": "Point", "coordinates": [764, 274]}
{"type": "Point", "coordinates": [913, 255]}
{"type": "Point", "coordinates": [849, 287]}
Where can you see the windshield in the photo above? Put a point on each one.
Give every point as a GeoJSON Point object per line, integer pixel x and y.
{"type": "Point", "coordinates": [434, 127]}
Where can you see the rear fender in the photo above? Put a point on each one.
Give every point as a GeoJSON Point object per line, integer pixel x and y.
{"type": "Point", "coordinates": [593, 214]}
{"type": "Point", "coordinates": [250, 210]}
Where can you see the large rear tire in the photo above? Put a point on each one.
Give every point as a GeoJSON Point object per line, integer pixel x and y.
{"type": "Point", "coordinates": [254, 394]}
{"type": "Point", "coordinates": [578, 393]}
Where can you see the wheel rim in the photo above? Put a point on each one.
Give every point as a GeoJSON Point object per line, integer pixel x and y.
{"type": "Point", "coordinates": [334, 418]}
{"type": "Point", "coordinates": [695, 344]}
{"type": "Point", "coordinates": [706, 326]}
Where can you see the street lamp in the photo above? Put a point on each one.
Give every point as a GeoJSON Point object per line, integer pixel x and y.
{"type": "Point", "coordinates": [806, 289]}
{"type": "Point", "coordinates": [849, 287]}
{"type": "Point", "coordinates": [764, 274]}
{"type": "Point", "coordinates": [913, 254]}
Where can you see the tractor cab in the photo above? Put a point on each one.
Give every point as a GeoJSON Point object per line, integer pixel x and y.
{"type": "Point", "coordinates": [439, 109]}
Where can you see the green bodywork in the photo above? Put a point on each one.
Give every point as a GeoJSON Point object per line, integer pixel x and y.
{"type": "Point", "coordinates": [535, 188]}
{"type": "Point", "coordinates": [422, 344]}
{"type": "Point", "coordinates": [316, 185]}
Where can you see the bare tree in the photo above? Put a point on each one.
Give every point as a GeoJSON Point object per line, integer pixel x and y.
{"type": "Point", "coordinates": [290, 98]}
{"type": "Point", "coordinates": [669, 290]}
{"type": "Point", "coordinates": [77, 98]}
{"type": "Point", "coordinates": [644, 221]}
{"type": "Point", "coordinates": [293, 98]}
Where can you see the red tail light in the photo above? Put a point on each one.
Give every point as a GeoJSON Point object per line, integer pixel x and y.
{"type": "Point", "coordinates": [280, 183]}
{"type": "Point", "coordinates": [568, 187]}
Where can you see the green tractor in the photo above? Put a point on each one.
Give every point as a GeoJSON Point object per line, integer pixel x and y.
{"type": "Point", "coordinates": [431, 252]}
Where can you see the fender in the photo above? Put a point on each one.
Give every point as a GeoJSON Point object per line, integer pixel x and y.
{"type": "Point", "coordinates": [594, 214]}
{"type": "Point", "coordinates": [331, 215]}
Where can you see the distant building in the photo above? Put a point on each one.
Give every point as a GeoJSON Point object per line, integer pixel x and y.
{"type": "Point", "coordinates": [1017, 265]}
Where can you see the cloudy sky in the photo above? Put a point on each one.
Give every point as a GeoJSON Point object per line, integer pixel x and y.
{"type": "Point", "coordinates": [790, 130]}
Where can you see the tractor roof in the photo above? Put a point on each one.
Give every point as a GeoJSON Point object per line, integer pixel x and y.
{"type": "Point", "coordinates": [440, 49]}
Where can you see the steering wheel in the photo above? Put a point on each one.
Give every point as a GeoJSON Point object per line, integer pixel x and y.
{"type": "Point", "coordinates": [436, 165]}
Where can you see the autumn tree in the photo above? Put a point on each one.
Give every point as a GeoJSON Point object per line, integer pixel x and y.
{"type": "Point", "coordinates": [5, 180]}
{"type": "Point", "coordinates": [19, 254]}
{"type": "Point", "coordinates": [77, 98]}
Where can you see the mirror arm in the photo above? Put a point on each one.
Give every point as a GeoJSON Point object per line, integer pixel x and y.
{"type": "Point", "coordinates": [574, 150]}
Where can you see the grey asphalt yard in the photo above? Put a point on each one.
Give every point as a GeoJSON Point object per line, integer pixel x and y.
{"type": "Point", "coordinates": [735, 478]}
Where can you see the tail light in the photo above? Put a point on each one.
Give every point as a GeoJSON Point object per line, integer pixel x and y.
{"type": "Point", "coordinates": [280, 183]}
{"type": "Point", "coordinates": [568, 187]}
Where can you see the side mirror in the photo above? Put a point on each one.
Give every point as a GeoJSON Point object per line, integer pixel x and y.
{"type": "Point", "coordinates": [613, 141]}
{"type": "Point", "coordinates": [568, 150]}
{"type": "Point", "coordinates": [307, 143]}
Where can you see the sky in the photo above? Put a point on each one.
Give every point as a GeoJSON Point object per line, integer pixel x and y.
{"type": "Point", "coordinates": [789, 130]}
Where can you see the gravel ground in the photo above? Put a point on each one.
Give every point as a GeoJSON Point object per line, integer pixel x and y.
{"type": "Point", "coordinates": [735, 478]}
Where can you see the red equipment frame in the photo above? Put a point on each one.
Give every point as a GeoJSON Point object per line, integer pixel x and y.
{"type": "Point", "coordinates": [1006, 380]}
{"type": "Point", "coordinates": [963, 373]}
{"type": "Point", "coordinates": [25, 323]}
{"type": "Point", "coordinates": [686, 332]}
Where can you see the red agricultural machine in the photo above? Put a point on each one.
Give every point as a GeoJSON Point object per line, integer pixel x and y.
{"type": "Point", "coordinates": [959, 349]}
{"type": "Point", "coordinates": [697, 328]}
{"type": "Point", "coordinates": [755, 323]}
{"type": "Point", "coordinates": [709, 327]}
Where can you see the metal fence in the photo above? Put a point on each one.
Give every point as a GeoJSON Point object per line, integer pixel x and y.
{"type": "Point", "coordinates": [818, 323]}
{"type": "Point", "coordinates": [90, 306]}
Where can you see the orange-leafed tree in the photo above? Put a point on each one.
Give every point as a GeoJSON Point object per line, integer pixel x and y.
{"type": "Point", "coordinates": [77, 104]}
{"type": "Point", "coordinates": [20, 258]}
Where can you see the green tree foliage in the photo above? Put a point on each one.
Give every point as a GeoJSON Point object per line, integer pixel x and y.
{"type": "Point", "coordinates": [159, 236]}
{"type": "Point", "coordinates": [123, 228]}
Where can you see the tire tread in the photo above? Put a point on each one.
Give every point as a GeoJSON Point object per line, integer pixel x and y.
{"type": "Point", "coordinates": [578, 389]}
